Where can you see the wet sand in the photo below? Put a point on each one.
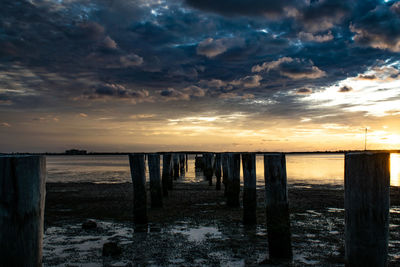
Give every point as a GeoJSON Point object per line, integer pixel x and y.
{"type": "Point", "coordinates": [195, 227]}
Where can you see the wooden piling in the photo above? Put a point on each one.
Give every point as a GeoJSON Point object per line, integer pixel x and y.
{"type": "Point", "coordinates": [186, 162]}
{"type": "Point", "coordinates": [156, 191]}
{"type": "Point", "coordinates": [278, 221]}
{"type": "Point", "coordinates": [22, 200]}
{"type": "Point", "coordinates": [167, 182]}
{"type": "Point", "coordinates": [182, 164]}
{"type": "Point", "coordinates": [225, 160]}
{"type": "Point", "coordinates": [217, 170]}
{"type": "Point", "coordinates": [175, 164]}
{"type": "Point", "coordinates": [249, 191]}
{"type": "Point", "coordinates": [367, 184]}
{"type": "Point", "coordinates": [208, 168]}
{"type": "Point", "coordinates": [233, 190]}
{"type": "Point", "coordinates": [136, 162]}
{"type": "Point", "coordinates": [199, 163]}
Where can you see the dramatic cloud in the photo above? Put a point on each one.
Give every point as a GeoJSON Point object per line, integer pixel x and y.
{"type": "Point", "coordinates": [211, 48]}
{"type": "Point", "coordinates": [379, 28]}
{"type": "Point", "coordinates": [304, 91]}
{"type": "Point", "coordinates": [131, 60]}
{"type": "Point", "coordinates": [367, 77]}
{"type": "Point", "coordinates": [195, 91]}
{"type": "Point", "coordinates": [283, 60]}
{"type": "Point", "coordinates": [323, 15]}
{"type": "Point", "coordinates": [306, 36]}
{"type": "Point", "coordinates": [237, 7]}
{"type": "Point", "coordinates": [117, 91]}
{"type": "Point", "coordinates": [267, 66]}
{"type": "Point", "coordinates": [172, 94]}
{"type": "Point", "coordinates": [292, 68]}
{"type": "Point", "coordinates": [248, 81]}
{"type": "Point", "coordinates": [345, 89]}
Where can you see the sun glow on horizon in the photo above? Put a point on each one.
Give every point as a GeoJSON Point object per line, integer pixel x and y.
{"type": "Point", "coordinates": [395, 169]}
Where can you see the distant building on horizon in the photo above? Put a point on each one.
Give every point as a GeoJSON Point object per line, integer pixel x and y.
{"type": "Point", "coordinates": [75, 152]}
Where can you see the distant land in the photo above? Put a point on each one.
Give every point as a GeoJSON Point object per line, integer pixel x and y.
{"type": "Point", "coordinates": [75, 152]}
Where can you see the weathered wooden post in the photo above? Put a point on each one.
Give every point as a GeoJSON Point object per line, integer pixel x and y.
{"type": "Point", "coordinates": [136, 162]}
{"type": "Point", "coordinates": [22, 200]}
{"type": "Point", "coordinates": [166, 174]}
{"type": "Point", "coordinates": [233, 191]}
{"type": "Point", "coordinates": [156, 191]}
{"type": "Point", "coordinates": [225, 160]}
{"type": "Point", "coordinates": [182, 164]}
{"type": "Point", "coordinates": [276, 194]}
{"type": "Point", "coordinates": [186, 161]}
{"type": "Point", "coordinates": [217, 170]}
{"type": "Point", "coordinates": [208, 168]}
{"type": "Point", "coordinates": [249, 191]}
{"type": "Point", "coordinates": [199, 163]}
{"type": "Point", "coordinates": [367, 184]}
{"type": "Point", "coordinates": [175, 163]}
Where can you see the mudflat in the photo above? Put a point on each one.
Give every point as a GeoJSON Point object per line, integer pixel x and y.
{"type": "Point", "coordinates": [195, 227]}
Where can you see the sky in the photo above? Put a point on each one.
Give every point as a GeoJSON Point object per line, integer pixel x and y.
{"type": "Point", "coordinates": [232, 75]}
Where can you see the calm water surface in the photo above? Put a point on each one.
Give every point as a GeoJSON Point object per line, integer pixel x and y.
{"type": "Point", "coordinates": [307, 168]}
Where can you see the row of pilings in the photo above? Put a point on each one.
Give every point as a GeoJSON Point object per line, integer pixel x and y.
{"type": "Point", "coordinates": [366, 181]}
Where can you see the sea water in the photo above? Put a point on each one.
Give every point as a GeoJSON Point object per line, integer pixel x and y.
{"type": "Point", "coordinates": [323, 169]}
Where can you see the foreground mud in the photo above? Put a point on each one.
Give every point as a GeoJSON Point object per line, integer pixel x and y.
{"type": "Point", "coordinates": [195, 228]}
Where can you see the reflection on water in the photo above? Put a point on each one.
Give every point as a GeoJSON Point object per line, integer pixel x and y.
{"type": "Point", "coordinates": [301, 168]}
{"type": "Point", "coordinates": [315, 168]}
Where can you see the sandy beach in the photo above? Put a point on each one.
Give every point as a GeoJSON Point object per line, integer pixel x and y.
{"type": "Point", "coordinates": [194, 228]}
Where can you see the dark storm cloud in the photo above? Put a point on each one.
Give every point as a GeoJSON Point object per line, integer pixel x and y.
{"type": "Point", "coordinates": [118, 91]}
{"type": "Point", "coordinates": [161, 51]}
{"type": "Point", "coordinates": [172, 94]}
{"type": "Point", "coordinates": [247, 8]}
{"type": "Point", "coordinates": [379, 28]}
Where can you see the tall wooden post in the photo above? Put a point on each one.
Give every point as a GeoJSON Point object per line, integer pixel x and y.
{"type": "Point", "coordinates": [208, 168]}
{"type": "Point", "coordinates": [217, 170]}
{"type": "Point", "coordinates": [233, 192]}
{"type": "Point", "coordinates": [278, 221]}
{"type": "Point", "coordinates": [225, 163]}
{"type": "Point", "coordinates": [249, 191]}
{"type": "Point", "coordinates": [136, 162]}
{"type": "Point", "coordinates": [182, 164]}
{"type": "Point", "coordinates": [22, 200]}
{"type": "Point", "coordinates": [155, 180]}
{"type": "Point", "coordinates": [186, 161]}
{"type": "Point", "coordinates": [367, 184]}
{"type": "Point", "coordinates": [166, 174]}
{"type": "Point", "coordinates": [175, 162]}
{"type": "Point", "coordinates": [199, 163]}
